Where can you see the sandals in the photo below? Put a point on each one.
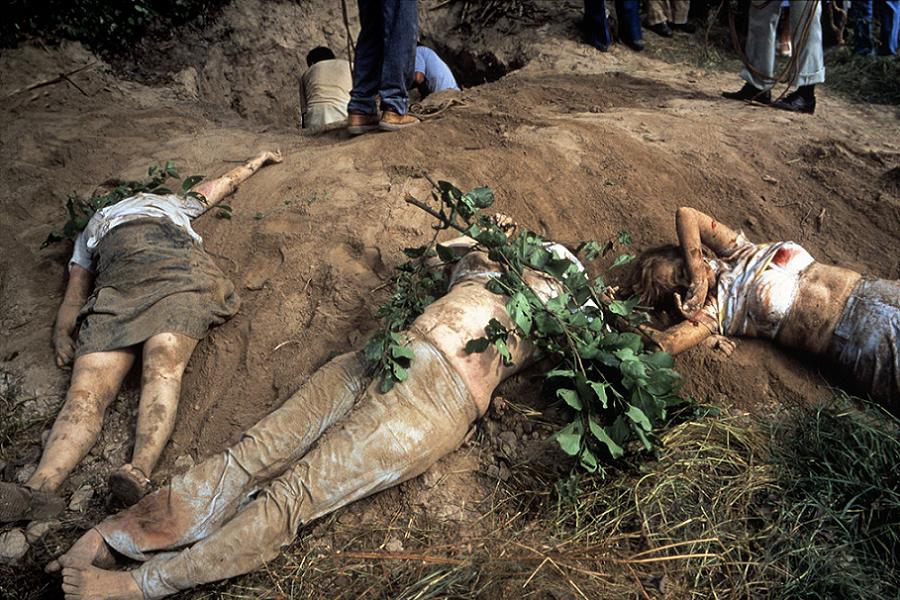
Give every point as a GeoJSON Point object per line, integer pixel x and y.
{"type": "Point", "coordinates": [128, 485]}
{"type": "Point", "coordinates": [19, 503]}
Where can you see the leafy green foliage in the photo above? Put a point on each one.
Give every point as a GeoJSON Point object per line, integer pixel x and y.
{"type": "Point", "coordinates": [616, 390]}
{"type": "Point", "coordinates": [80, 210]}
{"type": "Point", "coordinates": [109, 26]}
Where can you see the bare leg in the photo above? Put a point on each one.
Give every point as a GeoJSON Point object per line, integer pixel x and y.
{"type": "Point", "coordinates": [96, 378]}
{"type": "Point", "coordinates": [165, 357]}
{"type": "Point", "coordinates": [214, 190]}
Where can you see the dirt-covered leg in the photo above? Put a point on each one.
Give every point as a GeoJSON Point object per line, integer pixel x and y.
{"type": "Point", "coordinates": [165, 357]}
{"type": "Point", "coordinates": [214, 190]}
{"type": "Point", "coordinates": [96, 378]}
{"type": "Point", "coordinates": [90, 549]}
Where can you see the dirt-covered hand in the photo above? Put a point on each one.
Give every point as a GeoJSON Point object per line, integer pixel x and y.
{"type": "Point", "coordinates": [64, 346]}
{"type": "Point", "coordinates": [721, 344]}
{"type": "Point", "coordinates": [274, 157]}
{"type": "Point", "coordinates": [506, 223]}
{"type": "Point", "coordinates": [694, 300]}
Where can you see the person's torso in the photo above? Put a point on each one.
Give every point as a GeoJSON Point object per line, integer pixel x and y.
{"type": "Point", "coordinates": [438, 76]}
{"type": "Point", "coordinates": [328, 83]}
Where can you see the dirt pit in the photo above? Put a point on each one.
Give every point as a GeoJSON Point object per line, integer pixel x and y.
{"type": "Point", "coordinates": [575, 144]}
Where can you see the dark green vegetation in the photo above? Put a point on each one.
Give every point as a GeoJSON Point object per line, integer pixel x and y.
{"type": "Point", "coordinates": [618, 391]}
{"type": "Point", "coordinates": [80, 210]}
{"type": "Point", "coordinates": [105, 26]}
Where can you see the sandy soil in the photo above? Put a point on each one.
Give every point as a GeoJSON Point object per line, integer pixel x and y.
{"type": "Point", "coordinates": [575, 145]}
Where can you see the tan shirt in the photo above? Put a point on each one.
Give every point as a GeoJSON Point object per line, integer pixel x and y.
{"type": "Point", "coordinates": [325, 92]}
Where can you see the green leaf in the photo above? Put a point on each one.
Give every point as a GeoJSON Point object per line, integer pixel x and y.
{"type": "Point", "coordinates": [644, 440]}
{"type": "Point", "coordinates": [481, 197]}
{"type": "Point", "coordinates": [190, 182]}
{"type": "Point", "coordinates": [617, 307]}
{"type": "Point", "coordinates": [638, 416]}
{"type": "Point", "coordinates": [477, 345]}
{"type": "Point", "coordinates": [170, 169]}
{"type": "Point", "coordinates": [400, 373]}
{"type": "Point", "coordinates": [600, 434]}
{"type": "Point", "coordinates": [569, 438]}
{"type": "Point", "coordinates": [570, 397]}
{"type": "Point", "coordinates": [519, 309]}
{"type": "Point", "coordinates": [559, 373]}
{"type": "Point", "coordinates": [588, 461]}
{"type": "Point", "coordinates": [600, 391]}
{"type": "Point", "coordinates": [621, 260]}
{"type": "Point", "coordinates": [503, 349]}
{"type": "Point", "coordinates": [591, 250]}
{"type": "Point", "coordinates": [402, 352]}
{"type": "Point", "coordinates": [624, 238]}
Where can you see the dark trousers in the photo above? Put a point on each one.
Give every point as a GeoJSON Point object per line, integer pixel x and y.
{"type": "Point", "coordinates": [888, 12]}
{"type": "Point", "coordinates": [628, 14]}
{"type": "Point", "coordinates": [385, 55]}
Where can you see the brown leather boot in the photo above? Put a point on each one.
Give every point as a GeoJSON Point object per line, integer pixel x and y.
{"type": "Point", "coordinates": [358, 123]}
{"type": "Point", "coordinates": [392, 121]}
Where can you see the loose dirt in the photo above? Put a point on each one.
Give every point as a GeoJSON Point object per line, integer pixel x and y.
{"type": "Point", "coordinates": [576, 145]}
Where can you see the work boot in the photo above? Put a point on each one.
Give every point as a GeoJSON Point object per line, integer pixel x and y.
{"type": "Point", "coordinates": [359, 122]}
{"type": "Point", "coordinates": [661, 29]}
{"type": "Point", "coordinates": [636, 45]}
{"type": "Point", "coordinates": [801, 100]}
{"type": "Point", "coordinates": [392, 121]}
{"type": "Point", "coordinates": [750, 93]}
{"type": "Point", "coordinates": [683, 27]}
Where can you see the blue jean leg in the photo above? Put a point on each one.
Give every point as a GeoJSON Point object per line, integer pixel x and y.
{"type": "Point", "coordinates": [401, 28]}
{"type": "Point", "coordinates": [596, 28]}
{"type": "Point", "coordinates": [889, 14]}
{"type": "Point", "coordinates": [628, 12]}
{"type": "Point", "coordinates": [368, 59]}
{"type": "Point", "coordinates": [861, 17]}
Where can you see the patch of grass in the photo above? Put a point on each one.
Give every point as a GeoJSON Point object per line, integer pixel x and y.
{"type": "Point", "coordinates": [874, 79]}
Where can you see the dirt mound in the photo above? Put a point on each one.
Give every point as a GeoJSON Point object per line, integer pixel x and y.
{"type": "Point", "coordinates": [575, 144]}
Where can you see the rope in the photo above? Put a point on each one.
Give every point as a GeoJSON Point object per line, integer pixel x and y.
{"type": "Point", "coordinates": [792, 68]}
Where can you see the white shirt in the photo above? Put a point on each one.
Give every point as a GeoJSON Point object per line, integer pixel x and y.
{"type": "Point", "coordinates": [179, 210]}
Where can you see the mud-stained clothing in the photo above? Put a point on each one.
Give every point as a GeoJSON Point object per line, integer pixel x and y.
{"type": "Point", "coordinates": [866, 340]}
{"type": "Point", "coordinates": [177, 209]}
{"type": "Point", "coordinates": [757, 286]}
{"type": "Point", "coordinates": [216, 522]}
{"type": "Point", "coordinates": [152, 277]}
{"type": "Point", "coordinates": [325, 92]}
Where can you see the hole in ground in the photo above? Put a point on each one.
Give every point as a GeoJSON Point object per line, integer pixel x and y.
{"type": "Point", "coordinates": [473, 68]}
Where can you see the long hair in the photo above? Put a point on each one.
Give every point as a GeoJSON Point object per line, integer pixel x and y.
{"type": "Point", "coordinates": [654, 286]}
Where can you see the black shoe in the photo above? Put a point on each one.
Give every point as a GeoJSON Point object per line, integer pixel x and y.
{"type": "Point", "coordinates": [661, 29]}
{"type": "Point", "coordinates": [684, 27]}
{"type": "Point", "coordinates": [797, 102]}
{"type": "Point", "coordinates": [599, 45]}
{"type": "Point", "coordinates": [636, 45]}
{"type": "Point", "coordinates": [750, 93]}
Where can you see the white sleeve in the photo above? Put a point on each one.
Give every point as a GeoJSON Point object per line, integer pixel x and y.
{"type": "Point", "coordinates": [81, 254]}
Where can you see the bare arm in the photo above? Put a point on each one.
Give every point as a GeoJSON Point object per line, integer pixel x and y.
{"type": "Point", "coordinates": [81, 282]}
{"type": "Point", "coordinates": [680, 337]}
{"type": "Point", "coordinates": [215, 190]}
{"type": "Point", "coordinates": [696, 229]}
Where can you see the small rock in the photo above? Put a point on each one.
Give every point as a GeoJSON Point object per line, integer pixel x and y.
{"type": "Point", "coordinates": [493, 472]}
{"type": "Point", "coordinates": [81, 498]}
{"type": "Point", "coordinates": [431, 477]}
{"type": "Point", "coordinates": [504, 473]}
{"type": "Point", "coordinates": [184, 462]}
{"type": "Point", "coordinates": [769, 179]}
{"type": "Point", "coordinates": [25, 473]}
{"type": "Point", "coordinates": [13, 546]}
{"type": "Point", "coordinates": [38, 529]}
{"type": "Point", "coordinates": [751, 223]}
{"type": "Point", "coordinates": [394, 545]}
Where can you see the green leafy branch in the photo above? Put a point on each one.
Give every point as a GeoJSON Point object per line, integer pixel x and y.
{"type": "Point", "coordinates": [618, 390]}
{"type": "Point", "coordinates": [80, 210]}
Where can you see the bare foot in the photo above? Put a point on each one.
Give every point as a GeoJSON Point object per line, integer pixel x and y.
{"type": "Point", "coordinates": [89, 550]}
{"type": "Point", "coordinates": [91, 583]}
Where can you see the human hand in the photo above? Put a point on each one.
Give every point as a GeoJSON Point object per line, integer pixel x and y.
{"type": "Point", "coordinates": [721, 344]}
{"type": "Point", "coordinates": [272, 157]}
{"type": "Point", "coordinates": [506, 223]}
{"type": "Point", "coordinates": [64, 346]}
{"type": "Point", "coordinates": [694, 300]}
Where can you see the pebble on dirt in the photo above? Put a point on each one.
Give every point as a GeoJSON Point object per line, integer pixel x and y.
{"type": "Point", "coordinates": [13, 546]}
{"type": "Point", "coordinates": [81, 498]}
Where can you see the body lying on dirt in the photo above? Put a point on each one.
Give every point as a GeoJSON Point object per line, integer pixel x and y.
{"type": "Point", "coordinates": [334, 441]}
{"type": "Point", "coordinates": [139, 283]}
{"type": "Point", "coordinates": [774, 291]}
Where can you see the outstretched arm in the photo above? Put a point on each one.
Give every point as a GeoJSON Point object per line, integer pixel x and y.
{"type": "Point", "coordinates": [680, 337]}
{"type": "Point", "coordinates": [214, 190]}
{"type": "Point", "coordinates": [81, 282]}
{"type": "Point", "coordinates": [696, 229]}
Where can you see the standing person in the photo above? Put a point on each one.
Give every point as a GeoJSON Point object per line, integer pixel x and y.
{"type": "Point", "coordinates": [628, 13]}
{"type": "Point", "coordinates": [432, 74]}
{"type": "Point", "coordinates": [324, 88]}
{"type": "Point", "coordinates": [140, 284]}
{"type": "Point", "coordinates": [861, 15]}
{"type": "Point", "coordinates": [385, 56]}
{"type": "Point", "coordinates": [806, 33]}
{"type": "Point", "coordinates": [666, 16]}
